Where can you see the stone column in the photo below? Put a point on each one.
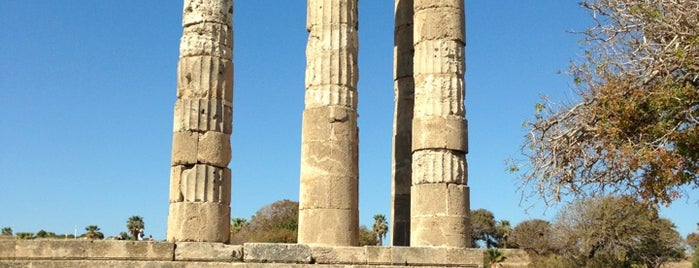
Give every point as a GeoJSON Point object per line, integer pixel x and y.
{"type": "Point", "coordinates": [328, 199]}
{"type": "Point", "coordinates": [403, 86]}
{"type": "Point", "coordinates": [440, 192]}
{"type": "Point", "coordinates": [200, 181]}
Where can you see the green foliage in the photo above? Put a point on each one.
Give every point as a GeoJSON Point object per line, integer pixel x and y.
{"type": "Point", "coordinates": [45, 234]}
{"type": "Point", "coordinates": [7, 231]}
{"type": "Point", "coordinates": [93, 232]}
{"type": "Point", "coordinates": [24, 235]}
{"type": "Point", "coordinates": [503, 230]}
{"type": "Point", "coordinates": [483, 228]}
{"type": "Point", "coordinates": [693, 240]}
{"type": "Point", "coordinates": [367, 237]}
{"type": "Point", "coordinates": [635, 128]}
{"type": "Point", "coordinates": [534, 236]}
{"type": "Point", "coordinates": [492, 256]}
{"type": "Point", "coordinates": [615, 232]}
{"type": "Point", "coordinates": [274, 223]}
{"type": "Point", "coordinates": [695, 258]}
{"type": "Point", "coordinates": [380, 228]}
{"type": "Point", "coordinates": [134, 225]}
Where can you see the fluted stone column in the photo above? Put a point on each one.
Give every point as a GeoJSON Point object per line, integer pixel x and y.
{"type": "Point", "coordinates": [200, 181]}
{"type": "Point", "coordinates": [403, 86]}
{"type": "Point", "coordinates": [440, 192]}
{"type": "Point", "coordinates": [328, 201]}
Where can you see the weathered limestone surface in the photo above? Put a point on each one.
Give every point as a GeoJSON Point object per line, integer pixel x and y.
{"type": "Point", "coordinates": [404, 87]}
{"type": "Point", "coordinates": [85, 249]}
{"type": "Point", "coordinates": [439, 193]}
{"type": "Point", "coordinates": [200, 181]}
{"type": "Point", "coordinates": [112, 253]}
{"type": "Point", "coordinates": [277, 253]}
{"type": "Point", "coordinates": [202, 251]}
{"type": "Point", "coordinates": [328, 198]}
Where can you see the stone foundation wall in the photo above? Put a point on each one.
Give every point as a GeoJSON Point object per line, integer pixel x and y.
{"type": "Point", "coordinates": [103, 253]}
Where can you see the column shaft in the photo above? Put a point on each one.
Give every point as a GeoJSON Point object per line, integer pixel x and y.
{"type": "Point", "coordinates": [439, 193]}
{"type": "Point", "coordinates": [200, 181]}
{"type": "Point", "coordinates": [403, 86]}
{"type": "Point", "coordinates": [328, 199]}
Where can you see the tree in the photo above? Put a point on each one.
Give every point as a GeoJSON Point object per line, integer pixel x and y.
{"type": "Point", "coordinates": [483, 228]}
{"type": "Point", "coordinates": [135, 226]}
{"type": "Point", "coordinates": [635, 128]}
{"type": "Point", "coordinates": [237, 224]}
{"type": "Point", "coordinates": [367, 237]}
{"type": "Point", "coordinates": [503, 229]}
{"type": "Point", "coordinates": [615, 232]}
{"type": "Point", "coordinates": [7, 231]}
{"type": "Point", "coordinates": [693, 240]}
{"type": "Point", "coordinates": [274, 223]}
{"type": "Point", "coordinates": [534, 236]}
{"type": "Point", "coordinates": [380, 228]}
{"type": "Point", "coordinates": [93, 232]}
{"type": "Point", "coordinates": [492, 256]}
{"type": "Point", "coordinates": [25, 235]}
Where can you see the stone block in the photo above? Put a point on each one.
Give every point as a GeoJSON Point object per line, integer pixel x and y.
{"type": "Point", "coordinates": [332, 125]}
{"type": "Point", "coordinates": [378, 255]}
{"type": "Point", "coordinates": [440, 132]}
{"type": "Point", "coordinates": [440, 199]}
{"type": "Point", "coordinates": [403, 61]}
{"type": "Point", "coordinates": [331, 67]}
{"type": "Point", "coordinates": [200, 251]}
{"type": "Point", "coordinates": [429, 4]}
{"type": "Point", "coordinates": [214, 148]}
{"type": "Point", "coordinates": [331, 38]}
{"type": "Point", "coordinates": [440, 231]}
{"type": "Point", "coordinates": [93, 250]}
{"type": "Point", "coordinates": [439, 166]}
{"type": "Point", "coordinates": [7, 248]}
{"type": "Point", "coordinates": [461, 256]}
{"type": "Point", "coordinates": [439, 95]}
{"type": "Point", "coordinates": [443, 23]}
{"type": "Point", "coordinates": [324, 96]}
{"type": "Point", "coordinates": [328, 13]}
{"type": "Point", "coordinates": [184, 148]}
{"type": "Point", "coordinates": [276, 253]}
{"type": "Point", "coordinates": [205, 77]}
{"type": "Point", "coordinates": [190, 148]}
{"type": "Point", "coordinates": [199, 11]}
{"type": "Point", "coordinates": [439, 57]}
{"type": "Point", "coordinates": [207, 39]}
{"type": "Point", "coordinates": [200, 183]}
{"type": "Point", "coordinates": [201, 115]}
{"type": "Point", "coordinates": [328, 227]}
{"type": "Point", "coordinates": [198, 222]}
{"type": "Point", "coordinates": [418, 256]}
{"type": "Point", "coordinates": [338, 255]}
{"type": "Point", "coordinates": [328, 192]}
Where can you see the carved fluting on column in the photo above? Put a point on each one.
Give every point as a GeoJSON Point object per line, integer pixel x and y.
{"type": "Point", "coordinates": [328, 199]}
{"type": "Point", "coordinates": [200, 181]}
{"type": "Point", "coordinates": [439, 193]}
{"type": "Point", "coordinates": [403, 86]}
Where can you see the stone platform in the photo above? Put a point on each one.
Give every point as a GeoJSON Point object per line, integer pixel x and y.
{"type": "Point", "coordinates": [103, 253]}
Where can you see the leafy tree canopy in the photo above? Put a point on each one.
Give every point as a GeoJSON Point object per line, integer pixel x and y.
{"type": "Point", "coordinates": [634, 130]}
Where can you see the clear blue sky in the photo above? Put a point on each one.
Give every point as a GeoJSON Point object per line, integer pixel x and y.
{"type": "Point", "coordinates": [87, 90]}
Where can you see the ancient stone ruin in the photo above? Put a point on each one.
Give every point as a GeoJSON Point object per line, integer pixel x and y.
{"type": "Point", "coordinates": [430, 190]}
{"type": "Point", "coordinates": [430, 194]}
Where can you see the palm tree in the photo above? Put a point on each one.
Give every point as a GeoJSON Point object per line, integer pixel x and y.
{"type": "Point", "coordinates": [7, 231]}
{"type": "Point", "coordinates": [380, 228]}
{"type": "Point", "coordinates": [494, 256]}
{"type": "Point", "coordinates": [237, 224]}
{"type": "Point", "coordinates": [135, 226]}
{"type": "Point", "coordinates": [504, 230]}
{"type": "Point", "coordinates": [93, 232]}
